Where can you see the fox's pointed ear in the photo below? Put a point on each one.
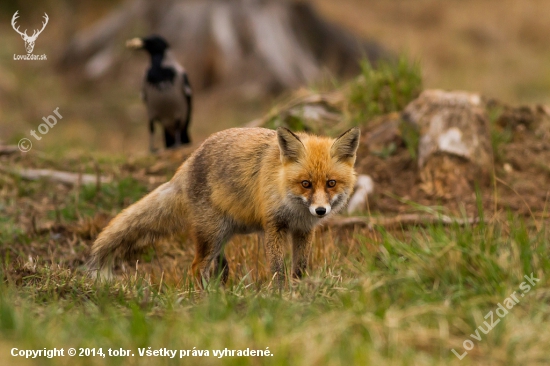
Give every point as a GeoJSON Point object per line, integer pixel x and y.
{"type": "Point", "coordinates": [345, 146]}
{"type": "Point", "coordinates": [290, 145]}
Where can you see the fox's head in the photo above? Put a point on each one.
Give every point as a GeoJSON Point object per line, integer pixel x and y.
{"type": "Point", "coordinates": [318, 171]}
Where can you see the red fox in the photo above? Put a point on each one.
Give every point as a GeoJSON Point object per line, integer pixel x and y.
{"type": "Point", "coordinates": [240, 180]}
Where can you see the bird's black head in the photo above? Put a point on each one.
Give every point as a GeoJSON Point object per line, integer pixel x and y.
{"type": "Point", "coordinates": [155, 45]}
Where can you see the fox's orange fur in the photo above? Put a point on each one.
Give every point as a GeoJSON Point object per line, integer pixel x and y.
{"type": "Point", "coordinates": [241, 180]}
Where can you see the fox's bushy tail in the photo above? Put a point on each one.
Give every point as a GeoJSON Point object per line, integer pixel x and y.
{"type": "Point", "coordinates": [159, 214]}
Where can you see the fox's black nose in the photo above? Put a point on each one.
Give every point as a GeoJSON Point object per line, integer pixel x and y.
{"type": "Point", "coordinates": [320, 211]}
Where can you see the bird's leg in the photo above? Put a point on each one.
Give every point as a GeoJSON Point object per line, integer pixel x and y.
{"type": "Point", "coordinates": [184, 136]}
{"type": "Point", "coordinates": [152, 136]}
{"type": "Point", "coordinates": [188, 97]}
{"type": "Point", "coordinates": [169, 138]}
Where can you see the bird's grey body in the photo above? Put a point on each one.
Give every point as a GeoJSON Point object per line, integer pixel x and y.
{"type": "Point", "coordinates": [166, 92]}
{"type": "Point", "coordinates": [166, 101]}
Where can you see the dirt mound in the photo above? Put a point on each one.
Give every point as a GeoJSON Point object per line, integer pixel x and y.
{"type": "Point", "coordinates": [518, 182]}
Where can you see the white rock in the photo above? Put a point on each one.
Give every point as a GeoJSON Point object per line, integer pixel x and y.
{"type": "Point", "coordinates": [363, 188]}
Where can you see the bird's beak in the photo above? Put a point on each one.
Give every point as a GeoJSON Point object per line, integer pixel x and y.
{"type": "Point", "coordinates": [134, 43]}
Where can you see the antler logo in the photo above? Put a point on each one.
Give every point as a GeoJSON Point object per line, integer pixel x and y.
{"type": "Point", "coordinates": [29, 40]}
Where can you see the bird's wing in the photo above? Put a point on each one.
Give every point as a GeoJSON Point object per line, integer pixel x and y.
{"type": "Point", "coordinates": [188, 93]}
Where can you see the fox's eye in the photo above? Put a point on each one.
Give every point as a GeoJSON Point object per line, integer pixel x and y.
{"type": "Point", "coordinates": [306, 184]}
{"type": "Point", "coordinates": [331, 183]}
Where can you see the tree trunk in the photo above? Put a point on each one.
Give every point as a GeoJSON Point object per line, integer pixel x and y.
{"type": "Point", "coordinates": [261, 45]}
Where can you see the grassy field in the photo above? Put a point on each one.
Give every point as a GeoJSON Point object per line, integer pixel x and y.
{"type": "Point", "coordinates": [390, 298]}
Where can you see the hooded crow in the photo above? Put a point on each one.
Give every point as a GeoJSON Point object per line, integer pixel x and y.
{"type": "Point", "coordinates": [166, 92]}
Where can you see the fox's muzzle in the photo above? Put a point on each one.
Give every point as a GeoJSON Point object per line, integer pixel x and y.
{"type": "Point", "coordinates": [320, 205]}
{"type": "Point", "coordinates": [319, 211]}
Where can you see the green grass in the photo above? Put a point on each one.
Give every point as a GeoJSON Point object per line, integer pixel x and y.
{"type": "Point", "coordinates": [409, 302]}
{"type": "Point", "coordinates": [386, 88]}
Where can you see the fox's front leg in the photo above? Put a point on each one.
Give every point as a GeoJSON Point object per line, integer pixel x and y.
{"type": "Point", "coordinates": [275, 240]}
{"type": "Point", "coordinates": [301, 245]}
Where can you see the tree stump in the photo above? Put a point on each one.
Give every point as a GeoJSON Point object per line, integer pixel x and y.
{"type": "Point", "coordinates": [256, 45]}
{"type": "Point", "coordinates": [454, 145]}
